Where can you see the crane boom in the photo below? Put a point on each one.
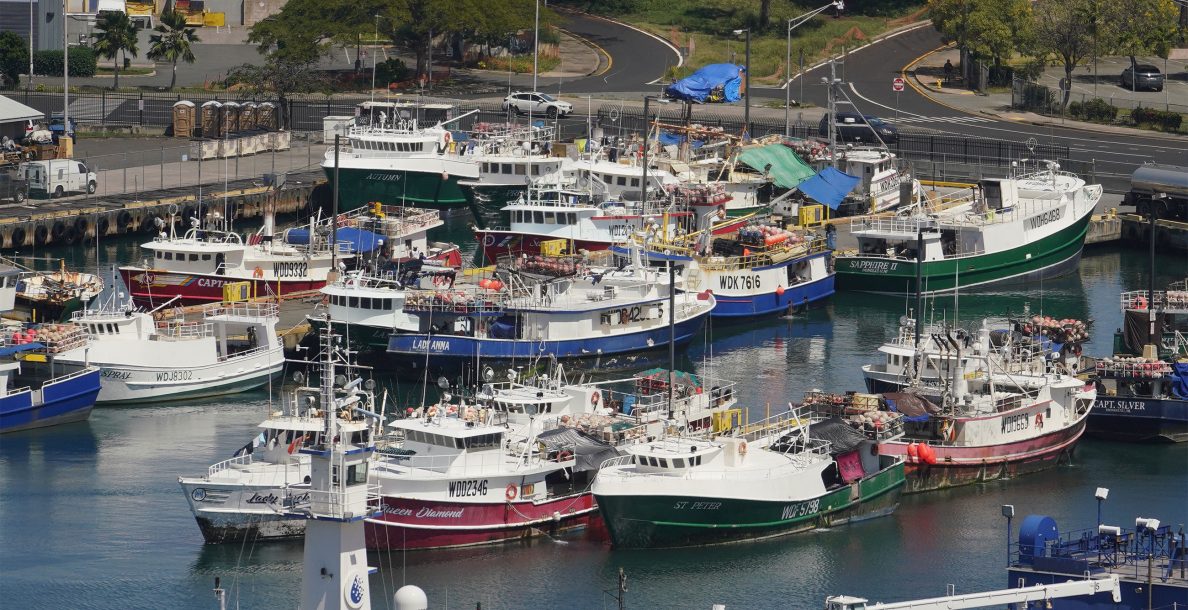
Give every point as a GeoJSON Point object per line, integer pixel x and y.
{"type": "Point", "coordinates": [1072, 588]}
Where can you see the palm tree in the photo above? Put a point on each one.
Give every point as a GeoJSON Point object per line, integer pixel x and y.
{"type": "Point", "coordinates": [173, 42]}
{"type": "Point", "coordinates": [115, 33]}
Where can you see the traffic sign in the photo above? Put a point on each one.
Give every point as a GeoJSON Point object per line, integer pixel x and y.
{"type": "Point", "coordinates": [897, 84]}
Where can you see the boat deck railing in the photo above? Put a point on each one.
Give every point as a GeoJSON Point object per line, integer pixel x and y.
{"type": "Point", "coordinates": [777, 425]}
{"type": "Point", "coordinates": [178, 329]}
{"type": "Point", "coordinates": [394, 219]}
{"type": "Point", "coordinates": [242, 310]}
{"type": "Point", "coordinates": [1143, 554]}
{"type": "Point", "coordinates": [239, 460]}
{"type": "Point", "coordinates": [812, 452]}
{"type": "Point", "coordinates": [889, 426]}
{"type": "Point", "coordinates": [332, 502]}
{"type": "Point", "coordinates": [463, 301]}
{"type": "Point", "coordinates": [1171, 301]}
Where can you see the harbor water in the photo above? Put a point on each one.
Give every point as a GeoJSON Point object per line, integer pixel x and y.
{"type": "Point", "coordinates": [93, 516]}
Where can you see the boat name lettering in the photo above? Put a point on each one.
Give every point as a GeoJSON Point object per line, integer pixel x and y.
{"type": "Point", "coordinates": [432, 346]}
{"type": "Point", "coordinates": [110, 374]}
{"type": "Point", "coordinates": [873, 266]}
{"type": "Point", "coordinates": [1120, 405]}
{"type": "Point", "coordinates": [290, 269]}
{"type": "Point", "coordinates": [175, 375]}
{"type": "Point", "coordinates": [698, 505]}
{"type": "Point", "coordinates": [205, 282]}
{"type": "Point", "coordinates": [801, 509]}
{"type": "Point", "coordinates": [398, 511]}
{"type": "Point", "coordinates": [1040, 220]}
{"type": "Point", "coordinates": [382, 177]}
{"type": "Point", "coordinates": [737, 282]}
{"type": "Point", "coordinates": [468, 488]}
{"type": "Point", "coordinates": [433, 513]}
{"type": "Point", "coordinates": [1014, 423]}
{"type": "Point", "coordinates": [263, 499]}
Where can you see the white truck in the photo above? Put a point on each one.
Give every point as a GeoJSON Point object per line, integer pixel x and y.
{"type": "Point", "coordinates": [56, 177]}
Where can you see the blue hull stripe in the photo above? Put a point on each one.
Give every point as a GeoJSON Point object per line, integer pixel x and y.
{"type": "Point", "coordinates": [770, 302]}
{"type": "Point", "coordinates": [64, 401]}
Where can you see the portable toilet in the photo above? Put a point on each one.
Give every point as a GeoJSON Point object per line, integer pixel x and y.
{"type": "Point", "coordinates": [212, 122]}
{"type": "Point", "coordinates": [266, 116]}
{"type": "Point", "coordinates": [183, 119]}
{"type": "Point", "coordinates": [247, 116]}
{"type": "Point", "coordinates": [230, 113]}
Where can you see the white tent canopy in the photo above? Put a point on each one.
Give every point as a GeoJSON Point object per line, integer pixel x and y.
{"type": "Point", "coordinates": [12, 111]}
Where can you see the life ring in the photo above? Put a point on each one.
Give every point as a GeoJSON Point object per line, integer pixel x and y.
{"type": "Point", "coordinates": [1039, 420]}
{"type": "Point", "coordinates": [488, 240]}
{"type": "Point", "coordinates": [510, 493]}
{"type": "Point", "coordinates": [1139, 303]}
{"type": "Point", "coordinates": [595, 398]}
{"type": "Point", "coordinates": [742, 448]}
{"type": "Point", "coordinates": [258, 272]}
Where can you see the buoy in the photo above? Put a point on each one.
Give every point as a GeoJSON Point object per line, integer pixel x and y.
{"type": "Point", "coordinates": [927, 454]}
{"type": "Point", "coordinates": [912, 452]}
{"type": "Point", "coordinates": [780, 291]}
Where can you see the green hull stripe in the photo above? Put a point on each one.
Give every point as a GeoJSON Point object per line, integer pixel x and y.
{"type": "Point", "coordinates": [360, 187]}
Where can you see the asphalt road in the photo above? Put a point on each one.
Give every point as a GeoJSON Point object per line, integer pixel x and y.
{"type": "Point", "coordinates": [636, 58]}
{"type": "Point", "coordinates": [870, 70]}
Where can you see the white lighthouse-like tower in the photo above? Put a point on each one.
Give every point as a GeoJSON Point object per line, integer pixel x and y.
{"type": "Point", "coordinates": [336, 571]}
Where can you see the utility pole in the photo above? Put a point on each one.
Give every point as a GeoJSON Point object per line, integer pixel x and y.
{"type": "Point", "coordinates": [65, 71]}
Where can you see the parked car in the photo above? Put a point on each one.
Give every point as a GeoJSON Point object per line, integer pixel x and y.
{"type": "Point", "coordinates": [57, 177]}
{"type": "Point", "coordinates": [1142, 76]}
{"type": "Point", "coordinates": [537, 103]}
{"type": "Point", "coordinates": [854, 127]}
{"type": "Point", "coordinates": [12, 186]}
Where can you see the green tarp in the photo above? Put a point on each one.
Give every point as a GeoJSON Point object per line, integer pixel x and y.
{"type": "Point", "coordinates": [787, 170]}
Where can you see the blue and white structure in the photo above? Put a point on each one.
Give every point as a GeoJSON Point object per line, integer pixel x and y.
{"type": "Point", "coordinates": [604, 317]}
{"type": "Point", "coordinates": [1148, 558]}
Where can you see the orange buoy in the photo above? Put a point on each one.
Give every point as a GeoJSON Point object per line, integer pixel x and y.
{"type": "Point", "coordinates": [927, 454]}
{"type": "Point", "coordinates": [912, 452]}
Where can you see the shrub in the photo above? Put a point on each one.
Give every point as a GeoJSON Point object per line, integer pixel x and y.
{"type": "Point", "coordinates": [392, 71]}
{"type": "Point", "coordinates": [1168, 121]}
{"type": "Point", "coordinates": [49, 63]}
{"type": "Point", "coordinates": [1098, 109]}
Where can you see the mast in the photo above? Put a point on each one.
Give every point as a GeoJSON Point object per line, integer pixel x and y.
{"type": "Point", "coordinates": [919, 283]}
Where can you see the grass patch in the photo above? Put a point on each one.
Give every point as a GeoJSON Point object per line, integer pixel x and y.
{"type": "Point", "coordinates": [133, 71]}
{"type": "Point", "coordinates": [520, 64]}
{"type": "Point", "coordinates": [711, 23]}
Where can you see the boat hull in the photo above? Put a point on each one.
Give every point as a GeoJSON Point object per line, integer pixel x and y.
{"type": "Point", "coordinates": [124, 386]}
{"type": "Point", "coordinates": [153, 287]}
{"type": "Point", "coordinates": [772, 288]}
{"type": "Point", "coordinates": [453, 351]}
{"type": "Point", "coordinates": [1139, 419]}
{"type": "Point", "coordinates": [636, 521]}
{"type": "Point", "coordinates": [497, 243]}
{"type": "Point", "coordinates": [235, 513]}
{"type": "Point", "coordinates": [63, 401]}
{"type": "Point", "coordinates": [956, 465]}
{"type": "Point", "coordinates": [1136, 592]}
{"type": "Point", "coordinates": [418, 524]}
{"type": "Point", "coordinates": [1052, 256]}
{"type": "Point", "coordinates": [436, 189]}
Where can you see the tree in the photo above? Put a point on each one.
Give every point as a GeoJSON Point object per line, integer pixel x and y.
{"type": "Point", "coordinates": [115, 34]}
{"type": "Point", "coordinates": [14, 58]}
{"type": "Point", "coordinates": [1140, 27]}
{"type": "Point", "coordinates": [988, 29]}
{"type": "Point", "coordinates": [173, 41]}
{"type": "Point", "coordinates": [1064, 28]}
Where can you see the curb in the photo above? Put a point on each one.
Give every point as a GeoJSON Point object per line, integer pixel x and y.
{"type": "Point", "coordinates": [598, 50]}
{"type": "Point", "coordinates": [671, 47]}
{"type": "Point", "coordinates": [920, 88]}
{"type": "Point", "coordinates": [877, 39]}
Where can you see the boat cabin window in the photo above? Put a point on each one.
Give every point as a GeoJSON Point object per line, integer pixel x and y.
{"type": "Point", "coordinates": [622, 180]}
{"type": "Point", "coordinates": [535, 170]}
{"type": "Point", "coordinates": [357, 474]}
{"type": "Point", "coordinates": [194, 258]}
{"type": "Point", "coordinates": [205, 257]}
{"type": "Point", "coordinates": [663, 463]}
{"type": "Point", "coordinates": [635, 182]}
{"type": "Point", "coordinates": [549, 219]}
{"type": "Point", "coordinates": [483, 441]}
{"type": "Point", "coordinates": [678, 463]}
{"type": "Point", "coordinates": [168, 256]}
{"type": "Point", "coordinates": [353, 302]}
{"type": "Point", "coordinates": [507, 168]}
{"type": "Point", "coordinates": [521, 170]}
{"type": "Point", "coordinates": [111, 328]}
{"type": "Point", "coordinates": [538, 217]}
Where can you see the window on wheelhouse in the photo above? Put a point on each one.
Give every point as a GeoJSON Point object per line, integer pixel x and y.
{"type": "Point", "coordinates": [353, 302]}
{"type": "Point", "coordinates": [356, 474]}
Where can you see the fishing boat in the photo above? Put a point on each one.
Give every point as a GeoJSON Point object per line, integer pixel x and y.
{"type": "Point", "coordinates": [54, 296]}
{"type": "Point", "coordinates": [35, 390]}
{"type": "Point", "coordinates": [518, 460]}
{"type": "Point", "coordinates": [775, 477]}
{"type": "Point", "coordinates": [603, 317]}
{"type": "Point", "coordinates": [1029, 226]}
{"type": "Point", "coordinates": [251, 495]}
{"type": "Point", "coordinates": [757, 270]}
{"type": "Point", "coordinates": [199, 265]}
{"type": "Point", "coordinates": [388, 156]}
{"type": "Point", "coordinates": [229, 349]}
{"type": "Point", "coordinates": [1029, 344]}
{"type": "Point", "coordinates": [1147, 559]}
{"type": "Point", "coordinates": [1143, 387]}
{"type": "Point", "coordinates": [549, 211]}
{"type": "Point", "coordinates": [977, 422]}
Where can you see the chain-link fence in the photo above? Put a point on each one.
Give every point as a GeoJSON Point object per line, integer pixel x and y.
{"type": "Point", "coordinates": [1042, 99]}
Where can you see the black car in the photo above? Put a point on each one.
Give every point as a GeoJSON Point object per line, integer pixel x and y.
{"type": "Point", "coordinates": [854, 127]}
{"type": "Point", "coordinates": [1142, 76]}
{"type": "Point", "coordinates": [12, 187]}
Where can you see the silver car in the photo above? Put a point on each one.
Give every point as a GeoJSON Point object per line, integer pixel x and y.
{"type": "Point", "coordinates": [1143, 76]}
{"type": "Point", "coordinates": [541, 104]}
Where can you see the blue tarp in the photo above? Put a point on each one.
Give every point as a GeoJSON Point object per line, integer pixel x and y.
{"type": "Point", "coordinates": [830, 186]}
{"type": "Point", "coordinates": [671, 139]}
{"type": "Point", "coordinates": [1180, 379]}
{"type": "Point", "coordinates": [362, 242]}
{"type": "Point", "coordinates": [16, 349]}
{"type": "Point", "coordinates": [713, 83]}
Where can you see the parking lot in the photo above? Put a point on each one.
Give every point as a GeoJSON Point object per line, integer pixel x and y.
{"type": "Point", "coordinates": [1108, 87]}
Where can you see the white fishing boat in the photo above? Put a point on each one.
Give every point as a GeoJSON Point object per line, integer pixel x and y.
{"type": "Point", "coordinates": [251, 495]}
{"type": "Point", "coordinates": [771, 478]}
{"type": "Point", "coordinates": [1027, 226]}
{"type": "Point", "coordinates": [230, 349]}
{"type": "Point", "coordinates": [53, 296]}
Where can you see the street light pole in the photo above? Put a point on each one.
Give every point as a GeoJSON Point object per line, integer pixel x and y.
{"type": "Point", "coordinates": [65, 71]}
{"type": "Point", "coordinates": [793, 23]}
{"type": "Point", "coordinates": [747, 81]}
{"type": "Point", "coordinates": [374, 58]}
{"type": "Point", "coordinates": [536, 47]}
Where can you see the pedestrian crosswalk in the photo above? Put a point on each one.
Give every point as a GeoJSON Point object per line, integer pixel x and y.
{"type": "Point", "coordinates": [943, 119]}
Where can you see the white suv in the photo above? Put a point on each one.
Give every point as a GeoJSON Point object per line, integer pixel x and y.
{"type": "Point", "coordinates": [538, 104]}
